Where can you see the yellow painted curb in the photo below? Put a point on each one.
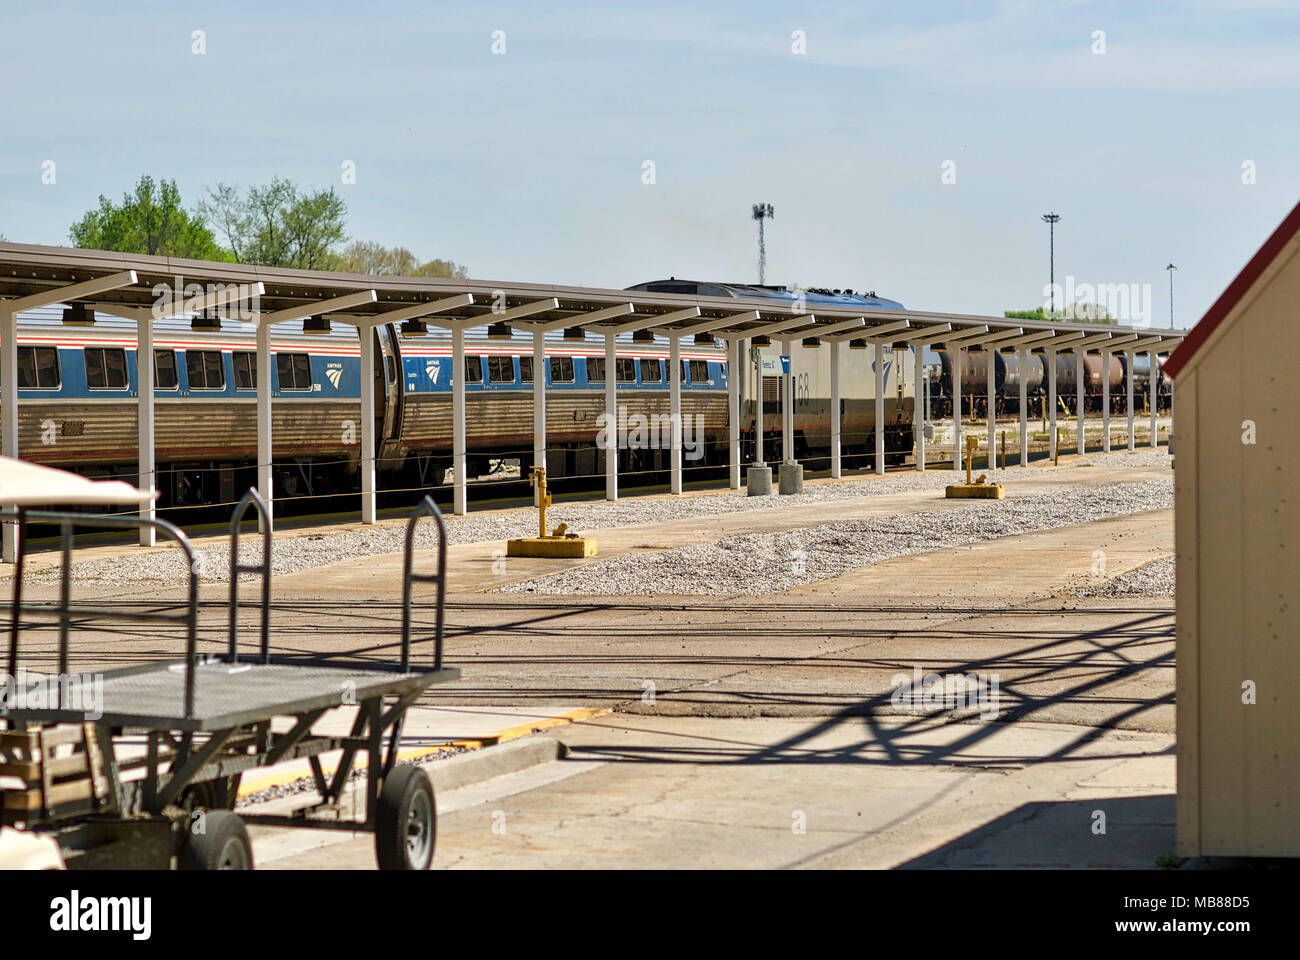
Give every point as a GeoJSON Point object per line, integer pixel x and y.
{"type": "Point", "coordinates": [249, 787]}
{"type": "Point", "coordinates": [975, 491]}
{"type": "Point", "coordinates": [554, 547]}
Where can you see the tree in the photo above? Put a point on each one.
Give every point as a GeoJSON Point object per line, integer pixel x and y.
{"type": "Point", "coordinates": [150, 220]}
{"type": "Point", "coordinates": [1080, 312]}
{"type": "Point", "coordinates": [277, 225]}
{"type": "Point", "coordinates": [362, 256]}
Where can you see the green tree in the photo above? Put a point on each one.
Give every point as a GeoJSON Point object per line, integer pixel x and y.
{"type": "Point", "coordinates": [363, 256]}
{"type": "Point", "coordinates": [1078, 312]}
{"type": "Point", "coordinates": [278, 225]}
{"type": "Point", "coordinates": [149, 220]}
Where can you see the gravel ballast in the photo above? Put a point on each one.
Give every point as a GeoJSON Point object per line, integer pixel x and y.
{"type": "Point", "coordinates": [1154, 579]}
{"type": "Point", "coordinates": [302, 552]}
{"type": "Point", "coordinates": [756, 564]}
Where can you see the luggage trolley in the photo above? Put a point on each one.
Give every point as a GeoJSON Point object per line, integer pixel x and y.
{"type": "Point", "coordinates": [206, 720]}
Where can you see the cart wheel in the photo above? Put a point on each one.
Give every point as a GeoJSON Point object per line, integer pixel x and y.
{"type": "Point", "coordinates": [224, 845]}
{"type": "Point", "coordinates": [407, 821]}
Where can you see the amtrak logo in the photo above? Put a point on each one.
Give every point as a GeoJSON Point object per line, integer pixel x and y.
{"type": "Point", "coordinates": [432, 368]}
{"type": "Point", "coordinates": [335, 376]}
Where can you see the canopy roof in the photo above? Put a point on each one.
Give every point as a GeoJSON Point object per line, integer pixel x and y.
{"type": "Point", "coordinates": [127, 285]}
{"type": "Point", "coordinates": [26, 484]}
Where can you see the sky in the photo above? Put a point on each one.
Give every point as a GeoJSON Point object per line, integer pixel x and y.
{"type": "Point", "coordinates": [907, 148]}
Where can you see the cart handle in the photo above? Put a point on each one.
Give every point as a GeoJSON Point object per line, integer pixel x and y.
{"type": "Point", "coordinates": [251, 499]}
{"type": "Point", "coordinates": [66, 611]}
{"type": "Point", "coordinates": [426, 508]}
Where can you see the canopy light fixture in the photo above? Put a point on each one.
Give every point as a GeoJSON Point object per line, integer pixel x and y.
{"type": "Point", "coordinates": [812, 341]}
{"type": "Point", "coordinates": [76, 315]}
{"type": "Point", "coordinates": [415, 328]}
{"type": "Point", "coordinates": [316, 325]}
{"type": "Point", "coordinates": [206, 322]}
{"type": "Point", "coordinates": [705, 340]}
{"type": "Point", "coordinates": [498, 331]}
{"type": "Point", "coordinates": [574, 335]}
{"type": "Point", "coordinates": [761, 341]}
{"type": "Point", "coordinates": [643, 336]}
{"type": "Point", "coordinates": [857, 344]}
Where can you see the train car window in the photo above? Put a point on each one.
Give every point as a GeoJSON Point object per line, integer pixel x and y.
{"type": "Point", "coordinates": [501, 369]}
{"type": "Point", "coordinates": [595, 369]}
{"type": "Point", "coordinates": [651, 370]}
{"type": "Point", "coordinates": [204, 370]}
{"type": "Point", "coordinates": [699, 371]}
{"type": "Point", "coordinates": [474, 369]}
{"type": "Point", "coordinates": [626, 370]}
{"type": "Point", "coordinates": [38, 368]}
{"type": "Point", "coordinates": [164, 370]}
{"type": "Point", "coordinates": [294, 370]}
{"type": "Point", "coordinates": [561, 369]}
{"type": "Point", "coordinates": [245, 371]}
{"type": "Point", "coordinates": [105, 368]}
{"type": "Point", "coordinates": [526, 369]}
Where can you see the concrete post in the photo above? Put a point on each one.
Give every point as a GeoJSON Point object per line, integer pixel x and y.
{"type": "Point", "coordinates": [146, 457]}
{"type": "Point", "coordinates": [675, 412]}
{"type": "Point", "coordinates": [1153, 384]}
{"type": "Point", "coordinates": [1079, 399]}
{"type": "Point", "coordinates": [787, 407]}
{"type": "Point", "coordinates": [880, 405]}
{"type": "Point", "coordinates": [1130, 356]}
{"type": "Point", "coordinates": [1024, 404]}
{"type": "Point", "coordinates": [367, 457]}
{"type": "Point", "coordinates": [264, 449]}
{"type": "Point", "coordinates": [836, 471]}
{"type": "Point", "coordinates": [1105, 401]}
{"type": "Point", "coordinates": [920, 407]}
{"type": "Point", "coordinates": [1050, 358]}
{"type": "Point", "coordinates": [735, 364]}
{"type": "Point", "coordinates": [611, 418]}
{"type": "Point", "coordinates": [956, 358]}
{"type": "Point", "coordinates": [460, 492]}
{"type": "Point", "coordinates": [539, 405]}
{"type": "Point", "coordinates": [991, 375]}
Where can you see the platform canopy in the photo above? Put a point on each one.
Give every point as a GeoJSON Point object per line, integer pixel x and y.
{"type": "Point", "coordinates": [149, 288]}
{"type": "Point", "coordinates": [24, 484]}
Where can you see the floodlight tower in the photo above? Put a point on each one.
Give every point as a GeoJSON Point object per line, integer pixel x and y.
{"type": "Point", "coordinates": [762, 211]}
{"type": "Point", "coordinates": [1051, 220]}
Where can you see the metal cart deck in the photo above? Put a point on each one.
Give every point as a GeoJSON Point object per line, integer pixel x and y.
{"type": "Point", "coordinates": [206, 720]}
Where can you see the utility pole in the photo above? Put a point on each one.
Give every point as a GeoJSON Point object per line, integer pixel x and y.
{"type": "Point", "coordinates": [1171, 268]}
{"type": "Point", "coordinates": [762, 211]}
{"type": "Point", "coordinates": [1051, 220]}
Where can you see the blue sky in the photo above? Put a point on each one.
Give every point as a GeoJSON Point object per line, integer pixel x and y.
{"type": "Point", "coordinates": [528, 166]}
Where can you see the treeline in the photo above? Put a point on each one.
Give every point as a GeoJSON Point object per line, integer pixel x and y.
{"type": "Point", "coordinates": [277, 224]}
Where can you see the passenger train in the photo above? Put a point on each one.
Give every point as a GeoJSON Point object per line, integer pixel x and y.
{"type": "Point", "coordinates": [78, 399]}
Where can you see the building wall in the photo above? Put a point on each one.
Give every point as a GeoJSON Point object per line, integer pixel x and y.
{"type": "Point", "coordinates": [1238, 569]}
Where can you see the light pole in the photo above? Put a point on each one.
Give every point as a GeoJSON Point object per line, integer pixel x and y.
{"type": "Point", "coordinates": [1171, 268]}
{"type": "Point", "coordinates": [1051, 220]}
{"type": "Point", "coordinates": [762, 211]}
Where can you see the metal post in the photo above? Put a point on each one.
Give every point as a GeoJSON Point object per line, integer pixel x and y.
{"type": "Point", "coordinates": [147, 464]}
{"type": "Point", "coordinates": [993, 405]}
{"type": "Point", "coordinates": [1024, 403]}
{"type": "Point", "coordinates": [956, 407]}
{"type": "Point", "coordinates": [1130, 356]}
{"type": "Point", "coordinates": [787, 407]}
{"type": "Point", "coordinates": [460, 493]}
{"type": "Point", "coordinates": [9, 413]}
{"type": "Point", "coordinates": [759, 439]}
{"type": "Point", "coordinates": [1078, 399]}
{"type": "Point", "coordinates": [836, 471]}
{"type": "Point", "coordinates": [1153, 383]}
{"type": "Point", "coordinates": [880, 406]}
{"type": "Point", "coordinates": [264, 381]}
{"type": "Point", "coordinates": [675, 412]}
{"type": "Point", "coordinates": [539, 405]}
{"type": "Point", "coordinates": [735, 364]}
{"type": "Point", "coordinates": [1105, 401]}
{"type": "Point", "coordinates": [611, 418]}
{"type": "Point", "coordinates": [920, 407]}
{"type": "Point", "coordinates": [1050, 358]}
{"type": "Point", "coordinates": [367, 455]}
